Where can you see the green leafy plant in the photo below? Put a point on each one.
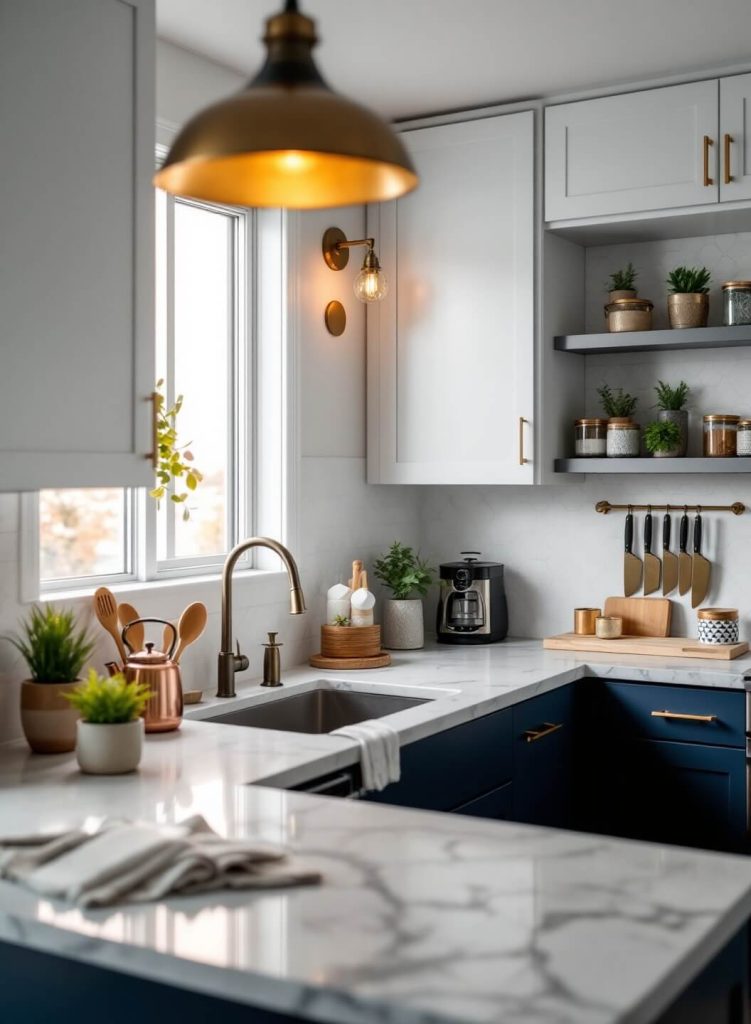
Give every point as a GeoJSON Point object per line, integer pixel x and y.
{"type": "Point", "coordinates": [341, 620]}
{"type": "Point", "coordinates": [174, 461]}
{"type": "Point", "coordinates": [616, 402]}
{"type": "Point", "coordinates": [689, 280]}
{"type": "Point", "coordinates": [53, 647]}
{"type": "Point", "coordinates": [109, 701]}
{"type": "Point", "coordinates": [662, 436]}
{"type": "Point", "coordinates": [624, 279]}
{"type": "Point", "coordinates": [671, 398]}
{"type": "Point", "coordinates": [403, 572]}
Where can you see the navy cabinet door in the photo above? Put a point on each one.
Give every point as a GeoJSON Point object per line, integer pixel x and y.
{"type": "Point", "coordinates": [543, 751]}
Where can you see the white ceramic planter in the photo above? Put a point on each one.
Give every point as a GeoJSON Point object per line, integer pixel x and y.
{"type": "Point", "coordinates": [403, 626]}
{"type": "Point", "coordinates": [109, 749]}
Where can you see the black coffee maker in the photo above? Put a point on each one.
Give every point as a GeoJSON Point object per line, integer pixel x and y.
{"type": "Point", "coordinates": [472, 605]}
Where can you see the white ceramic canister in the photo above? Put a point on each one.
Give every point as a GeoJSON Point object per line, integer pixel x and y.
{"type": "Point", "coordinates": [363, 603]}
{"type": "Point", "coordinates": [623, 439]}
{"type": "Point", "coordinates": [338, 602]}
{"type": "Point", "coordinates": [718, 625]}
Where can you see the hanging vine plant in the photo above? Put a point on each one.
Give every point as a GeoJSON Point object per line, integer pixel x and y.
{"type": "Point", "coordinates": [174, 461]}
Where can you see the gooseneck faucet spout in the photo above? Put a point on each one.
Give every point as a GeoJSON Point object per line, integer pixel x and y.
{"type": "Point", "coordinates": [229, 661]}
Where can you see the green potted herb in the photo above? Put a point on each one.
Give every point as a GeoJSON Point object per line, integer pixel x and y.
{"type": "Point", "coordinates": [616, 403]}
{"type": "Point", "coordinates": [663, 439]}
{"type": "Point", "coordinates": [55, 650]}
{"type": "Point", "coordinates": [671, 402]}
{"type": "Point", "coordinates": [405, 574]}
{"type": "Point", "coordinates": [110, 730]}
{"type": "Point", "coordinates": [623, 434]}
{"type": "Point", "coordinates": [688, 301]}
{"type": "Point", "coordinates": [622, 283]}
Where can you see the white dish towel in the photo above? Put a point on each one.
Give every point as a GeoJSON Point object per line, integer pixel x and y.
{"type": "Point", "coordinates": [134, 862]}
{"type": "Point", "coordinates": [379, 752]}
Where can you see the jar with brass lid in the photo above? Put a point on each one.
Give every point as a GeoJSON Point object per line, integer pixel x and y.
{"type": "Point", "coordinates": [623, 438]}
{"type": "Point", "coordinates": [743, 438]}
{"type": "Point", "coordinates": [721, 435]}
{"type": "Point", "coordinates": [590, 438]}
{"type": "Point", "coordinates": [629, 315]}
{"type": "Point", "coordinates": [736, 303]}
{"type": "Point", "coordinates": [718, 625]}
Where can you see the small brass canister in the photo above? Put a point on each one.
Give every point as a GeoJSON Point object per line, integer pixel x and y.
{"type": "Point", "coordinates": [609, 627]}
{"type": "Point", "coordinates": [584, 621]}
{"type": "Point", "coordinates": [629, 315]}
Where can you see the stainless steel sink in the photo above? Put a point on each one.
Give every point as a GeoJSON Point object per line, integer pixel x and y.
{"type": "Point", "coordinates": [318, 711]}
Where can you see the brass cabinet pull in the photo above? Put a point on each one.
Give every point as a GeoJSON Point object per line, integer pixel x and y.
{"type": "Point", "coordinates": [707, 143]}
{"type": "Point", "coordinates": [679, 717]}
{"type": "Point", "coordinates": [153, 455]}
{"type": "Point", "coordinates": [727, 141]}
{"type": "Point", "coordinates": [547, 728]}
{"type": "Point", "coordinates": [522, 421]}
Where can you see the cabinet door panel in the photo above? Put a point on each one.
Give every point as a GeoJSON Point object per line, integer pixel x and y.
{"type": "Point", "coordinates": [735, 121]}
{"type": "Point", "coordinates": [543, 777]}
{"type": "Point", "coordinates": [76, 242]}
{"type": "Point", "coordinates": [450, 353]}
{"type": "Point", "coordinates": [624, 154]}
{"type": "Point", "coordinates": [498, 805]}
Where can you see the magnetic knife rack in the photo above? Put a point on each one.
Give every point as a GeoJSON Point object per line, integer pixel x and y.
{"type": "Point", "coordinates": [737, 508]}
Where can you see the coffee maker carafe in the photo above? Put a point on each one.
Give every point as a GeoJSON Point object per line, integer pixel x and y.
{"type": "Point", "coordinates": [472, 606]}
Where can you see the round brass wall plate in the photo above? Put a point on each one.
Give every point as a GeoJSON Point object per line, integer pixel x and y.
{"type": "Point", "coordinates": [336, 318]}
{"type": "Point", "coordinates": [336, 259]}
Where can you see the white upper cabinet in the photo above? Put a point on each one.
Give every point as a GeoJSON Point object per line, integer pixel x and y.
{"type": "Point", "coordinates": [450, 349]}
{"type": "Point", "coordinates": [735, 138]}
{"type": "Point", "coordinates": [76, 242]}
{"type": "Point", "coordinates": [650, 150]}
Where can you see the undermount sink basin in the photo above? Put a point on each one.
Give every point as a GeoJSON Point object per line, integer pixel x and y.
{"type": "Point", "coordinates": [318, 711]}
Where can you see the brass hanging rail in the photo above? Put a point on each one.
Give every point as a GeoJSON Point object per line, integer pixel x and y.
{"type": "Point", "coordinates": [737, 508]}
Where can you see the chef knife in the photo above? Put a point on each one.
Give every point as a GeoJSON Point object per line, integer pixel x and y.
{"type": "Point", "coordinates": [684, 559]}
{"type": "Point", "coordinates": [700, 568]}
{"type": "Point", "coordinates": [669, 560]}
{"type": "Point", "coordinates": [632, 566]}
{"type": "Point", "coordinates": [652, 565]}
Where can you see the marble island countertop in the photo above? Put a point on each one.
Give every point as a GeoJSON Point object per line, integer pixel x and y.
{"type": "Point", "coordinates": [421, 917]}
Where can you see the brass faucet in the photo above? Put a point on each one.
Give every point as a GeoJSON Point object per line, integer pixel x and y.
{"type": "Point", "coordinates": [229, 661]}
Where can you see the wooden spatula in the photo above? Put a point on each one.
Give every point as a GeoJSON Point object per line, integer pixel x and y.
{"type": "Point", "coordinates": [126, 613]}
{"type": "Point", "coordinates": [105, 609]}
{"type": "Point", "coordinates": [192, 623]}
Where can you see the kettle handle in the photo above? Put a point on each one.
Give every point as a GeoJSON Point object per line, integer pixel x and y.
{"type": "Point", "coordinates": [162, 622]}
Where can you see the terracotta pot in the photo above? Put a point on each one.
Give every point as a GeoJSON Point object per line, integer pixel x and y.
{"type": "Point", "coordinates": [688, 309]}
{"type": "Point", "coordinates": [403, 625]}
{"type": "Point", "coordinates": [111, 749]}
{"type": "Point", "coordinates": [48, 720]}
{"type": "Point", "coordinates": [679, 416]}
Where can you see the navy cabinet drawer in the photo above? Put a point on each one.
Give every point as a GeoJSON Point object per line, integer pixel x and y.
{"type": "Point", "coordinates": [446, 771]}
{"type": "Point", "coordinates": [497, 805]}
{"type": "Point", "coordinates": [628, 708]}
{"type": "Point", "coordinates": [543, 751]}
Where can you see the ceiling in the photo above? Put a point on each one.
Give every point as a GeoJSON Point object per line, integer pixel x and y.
{"type": "Point", "coordinates": [408, 57]}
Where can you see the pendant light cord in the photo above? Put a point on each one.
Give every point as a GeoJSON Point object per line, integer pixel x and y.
{"type": "Point", "coordinates": [290, 7]}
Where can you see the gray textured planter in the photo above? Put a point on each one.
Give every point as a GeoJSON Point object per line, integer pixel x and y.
{"type": "Point", "coordinates": [679, 416]}
{"type": "Point", "coordinates": [403, 627]}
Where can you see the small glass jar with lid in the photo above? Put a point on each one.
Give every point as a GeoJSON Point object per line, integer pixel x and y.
{"type": "Point", "coordinates": [743, 438]}
{"type": "Point", "coordinates": [624, 438]}
{"type": "Point", "coordinates": [736, 303]}
{"type": "Point", "coordinates": [720, 435]}
{"type": "Point", "coordinates": [590, 438]}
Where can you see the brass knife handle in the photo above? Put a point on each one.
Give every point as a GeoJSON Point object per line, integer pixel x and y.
{"type": "Point", "coordinates": [707, 143]}
{"type": "Point", "coordinates": [680, 717]}
{"type": "Point", "coordinates": [532, 735]}
{"type": "Point", "coordinates": [522, 421]}
{"type": "Point", "coordinates": [727, 140]}
{"type": "Point", "coordinates": [153, 455]}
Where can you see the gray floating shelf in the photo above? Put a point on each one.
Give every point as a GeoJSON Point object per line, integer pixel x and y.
{"type": "Point", "coordinates": [650, 465]}
{"type": "Point", "coordinates": [654, 341]}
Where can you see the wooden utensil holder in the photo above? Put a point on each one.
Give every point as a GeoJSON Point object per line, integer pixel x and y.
{"type": "Point", "coordinates": [350, 641]}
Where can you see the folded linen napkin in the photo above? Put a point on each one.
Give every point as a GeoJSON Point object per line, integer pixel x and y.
{"type": "Point", "coordinates": [379, 752]}
{"type": "Point", "coordinates": [134, 862]}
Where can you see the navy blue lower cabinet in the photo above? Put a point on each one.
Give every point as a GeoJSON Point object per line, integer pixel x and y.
{"type": "Point", "coordinates": [499, 804]}
{"type": "Point", "coordinates": [544, 785]}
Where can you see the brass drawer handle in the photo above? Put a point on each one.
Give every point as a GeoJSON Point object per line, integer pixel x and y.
{"type": "Point", "coordinates": [522, 460]}
{"type": "Point", "coordinates": [679, 717]}
{"type": "Point", "coordinates": [707, 143]}
{"type": "Point", "coordinates": [532, 735]}
{"type": "Point", "coordinates": [728, 176]}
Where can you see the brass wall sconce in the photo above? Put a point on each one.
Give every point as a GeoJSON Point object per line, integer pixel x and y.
{"type": "Point", "coordinates": [370, 285]}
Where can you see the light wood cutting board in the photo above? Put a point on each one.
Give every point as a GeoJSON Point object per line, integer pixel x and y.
{"type": "Point", "coordinates": [642, 616]}
{"type": "Point", "coordinates": [656, 646]}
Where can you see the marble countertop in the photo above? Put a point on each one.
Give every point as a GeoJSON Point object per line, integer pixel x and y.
{"type": "Point", "coordinates": [421, 917]}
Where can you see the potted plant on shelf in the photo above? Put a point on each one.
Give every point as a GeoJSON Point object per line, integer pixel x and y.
{"type": "Point", "coordinates": [110, 730]}
{"type": "Point", "coordinates": [688, 302]}
{"type": "Point", "coordinates": [405, 574]}
{"type": "Point", "coordinates": [671, 402]}
{"type": "Point", "coordinates": [55, 650]}
{"type": "Point", "coordinates": [621, 285]}
{"type": "Point", "coordinates": [623, 434]}
{"type": "Point", "coordinates": [617, 404]}
{"type": "Point", "coordinates": [663, 439]}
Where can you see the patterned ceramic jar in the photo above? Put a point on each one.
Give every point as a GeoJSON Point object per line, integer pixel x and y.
{"type": "Point", "coordinates": [623, 439]}
{"type": "Point", "coordinates": [743, 438]}
{"type": "Point", "coordinates": [718, 625]}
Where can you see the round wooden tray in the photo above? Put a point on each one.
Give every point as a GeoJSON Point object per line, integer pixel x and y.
{"type": "Point", "coordinates": [381, 660]}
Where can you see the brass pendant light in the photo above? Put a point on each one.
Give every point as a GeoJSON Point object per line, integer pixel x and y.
{"type": "Point", "coordinates": [287, 140]}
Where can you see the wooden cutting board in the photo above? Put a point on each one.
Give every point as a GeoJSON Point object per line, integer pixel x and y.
{"type": "Point", "coordinates": [642, 616]}
{"type": "Point", "coordinates": [656, 646]}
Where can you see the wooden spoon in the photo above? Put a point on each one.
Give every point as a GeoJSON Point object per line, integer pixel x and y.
{"type": "Point", "coordinates": [126, 613]}
{"type": "Point", "coordinates": [192, 623]}
{"type": "Point", "coordinates": [105, 609]}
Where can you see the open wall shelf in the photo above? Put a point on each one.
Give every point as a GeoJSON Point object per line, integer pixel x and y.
{"type": "Point", "coordinates": [654, 341]}
{"type": "Point", "coordinates": [651, 465]}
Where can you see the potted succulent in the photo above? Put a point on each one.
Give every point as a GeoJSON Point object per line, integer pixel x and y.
{"type": "Point", "coordinates": [617, 404]}
{"type": "Point", "coordinates": [110, 730]}
{"type": "Point", "coordinates": [405, 574]}
{"type": "Point", "coordinates": [55, 650]}
{"type": "Point", "coordinates": [671, 402]}
{"type": "Point", "coordinates": [663, 439]}
{"type": "Point", "coordinates": [688, 302]}
{"type": "Point", "coordinates": [621, 284]}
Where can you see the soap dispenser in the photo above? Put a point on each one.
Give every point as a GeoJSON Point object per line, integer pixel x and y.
{"type": "Point", "coordinates": [272, 662]}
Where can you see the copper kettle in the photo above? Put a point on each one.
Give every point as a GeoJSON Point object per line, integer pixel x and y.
{"type": "Point", "coordinates": [164, 711]}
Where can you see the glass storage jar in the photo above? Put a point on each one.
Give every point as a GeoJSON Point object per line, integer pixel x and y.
{"type": "Point", "coordinates": [629, 315]}
{"type": "Point", "coordinates": [590, 438]}
{"type": "Point", "coordinates": [623, 439]}
{"type": "Point", "coordinates": [744, 437]}
{"type": "Point", "coordinates": [718, 625]}
{"type": "Point", "coordinates": [720, 435]}
{"type": "Point", "coordinates": [736, 303]}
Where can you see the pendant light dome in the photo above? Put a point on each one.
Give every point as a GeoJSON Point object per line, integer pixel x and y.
{"type": "Point", "coordinates": [287, 140]}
